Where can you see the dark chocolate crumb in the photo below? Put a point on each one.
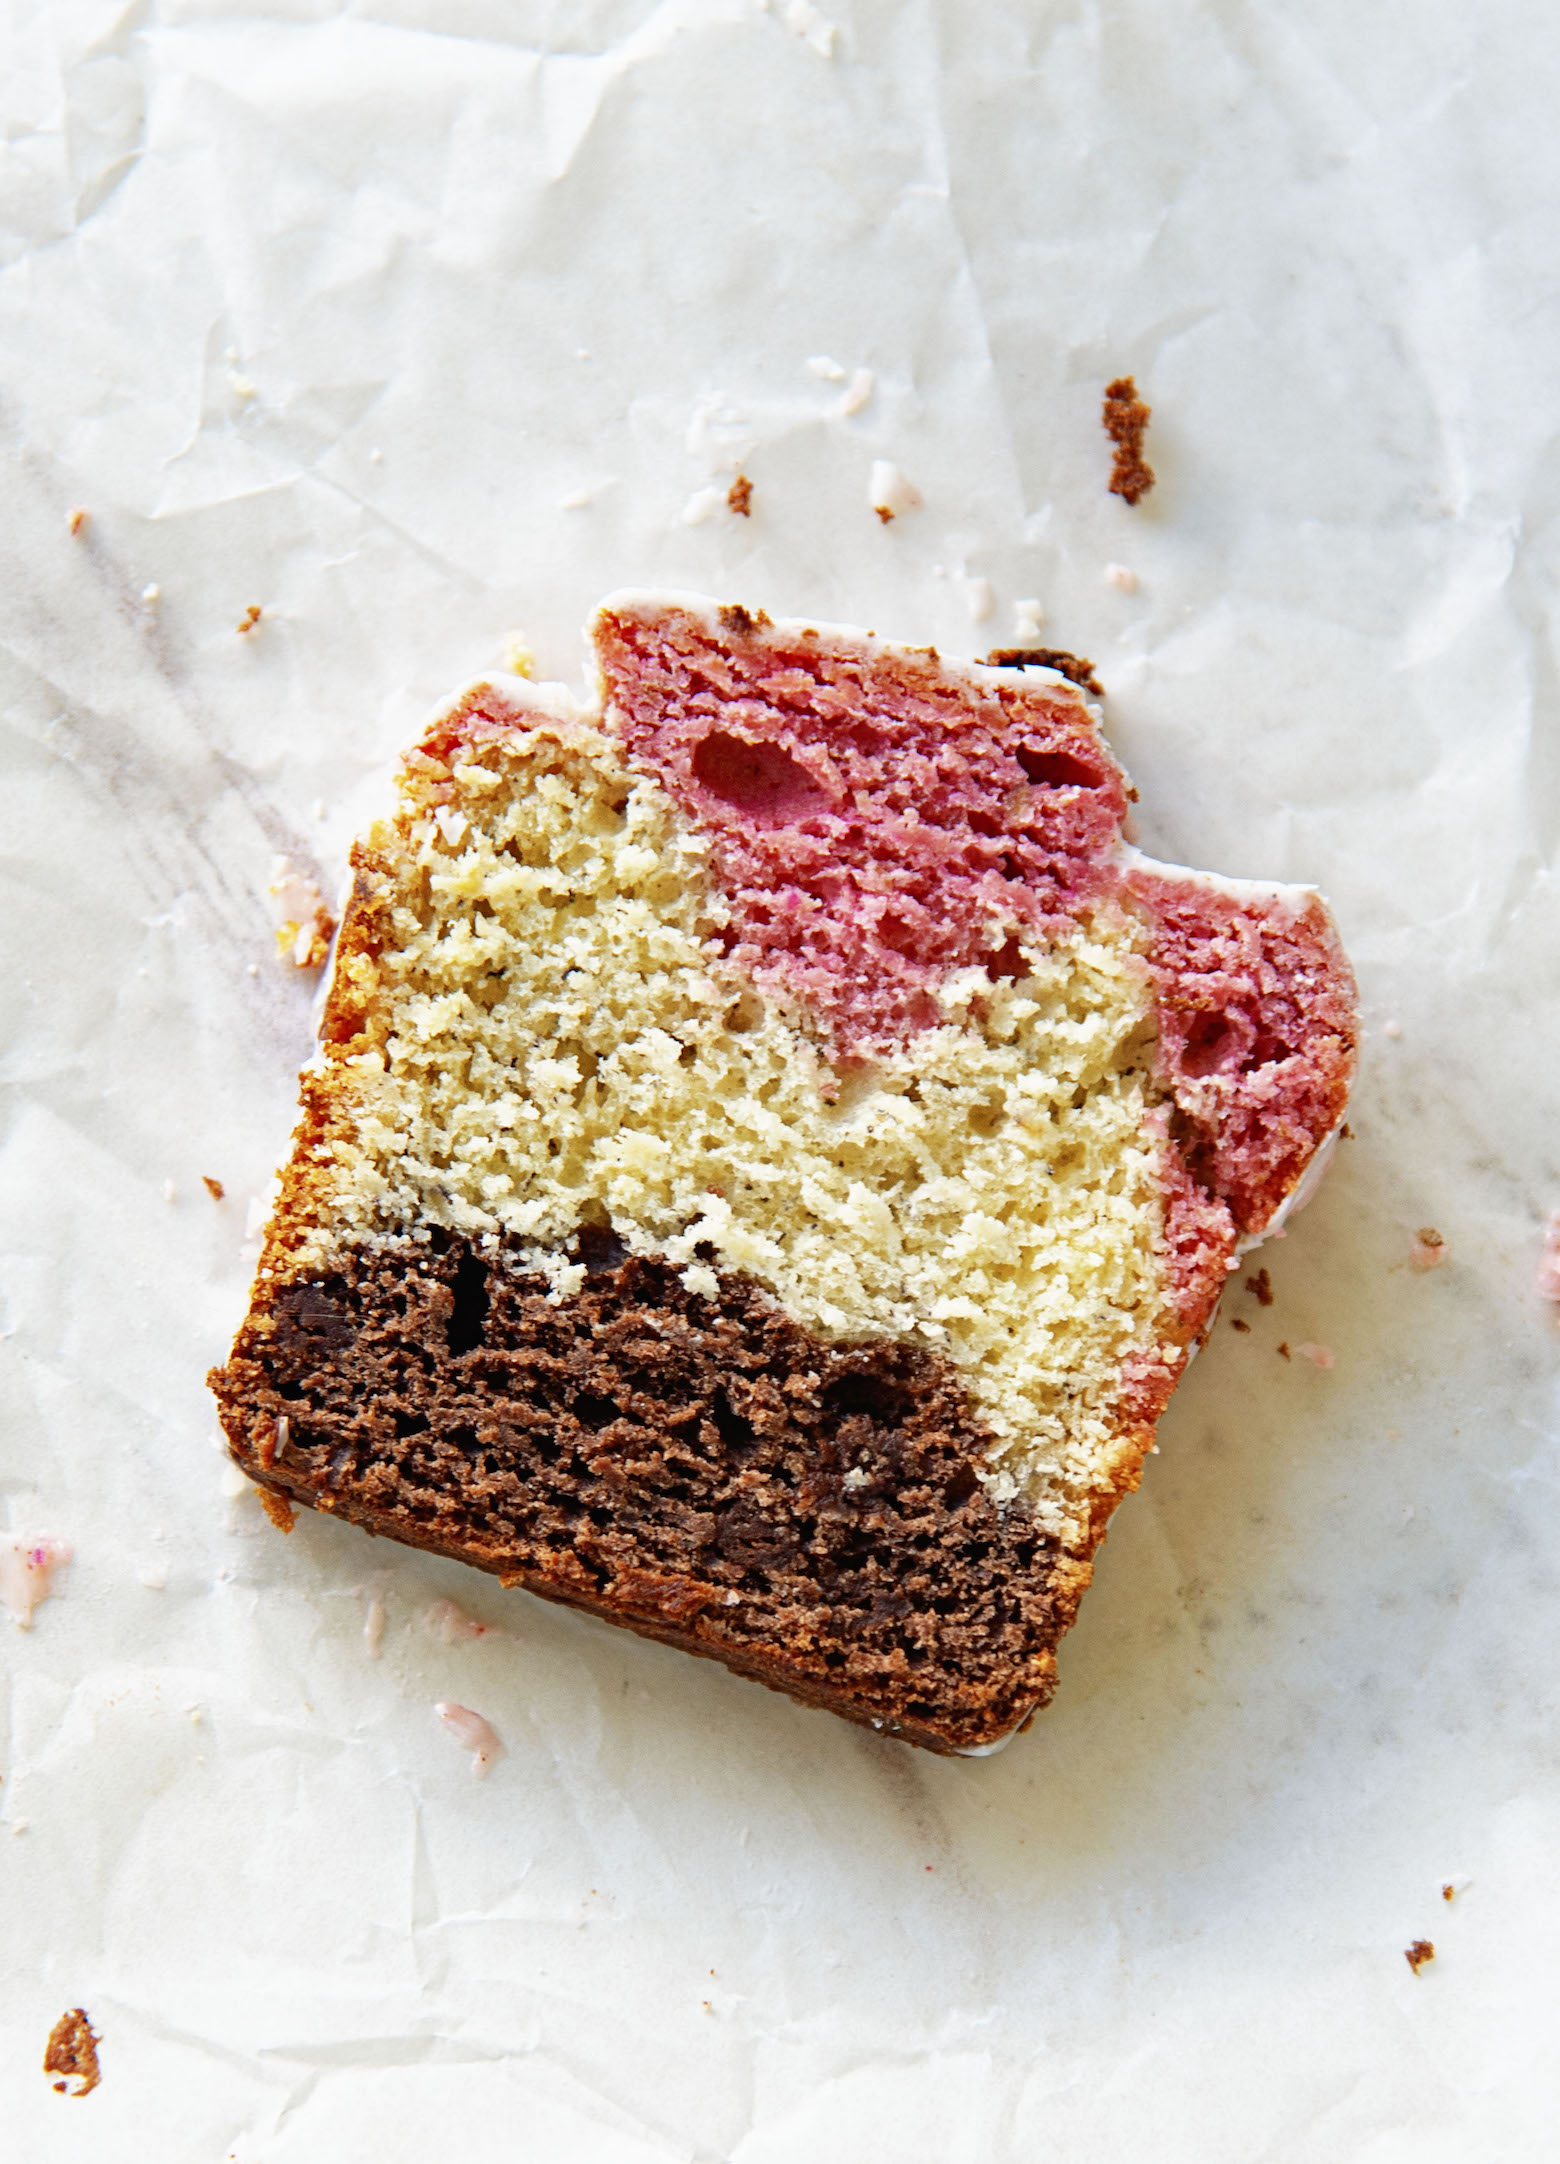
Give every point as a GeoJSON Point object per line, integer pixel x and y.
{"type": "Point", "coordinates": [251, 618]}
{"type": "Point", "coordinates": [1418, 1954]}
{"type": "Point", "coordinates": [72, 2052]}
{"type": "Point", "coordinates": [1346, 1132]}
{"type": "Point", "coordinates": [1075, 667]}
{"type": "Point", "coordinates": [214, 1188]}
{"type": "Point", "coordinates": [734, 617]}
{"type": "Point", "coordinates": [1126, 419]}
{"type": "Point", "coordinates": [278, 1509]}
{"type": "Point", "coordinates": [1262, 1286]}
{"type": "Point", "coordinates": [1243, 1327]}
{"type": "Point", "coordinates": [739, 497]}
{"type": "Point", "coordinates": [1448, 1890]}
{"type": "Point", "coordinates": [884, 513]}
{"type": "Point", "coordinates": [1284, 1349]}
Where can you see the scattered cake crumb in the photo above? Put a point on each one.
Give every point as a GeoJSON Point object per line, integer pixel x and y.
{"type": "Point", "coordinates": [1429, 1250]}
{"type": "Point", "coordinates": [1391, 1029]}
{"type": "Point", "coordinates": [28, 1567]}
{"type": "Point", "coordinates": [1320, 1356]}
{"type": "Point", "coordinates": [278, 1509]}
{"type": "Point", "coordinates": [151, 594]}
{"type": "Point", "coordinates": [858, 392]}
{"type": "Point", "coordinates": [1126, 420]}
{"type": "Point", "coordinates": [251, 617]}
{"type": "Point", "coordinates": [1284, 1352]}
{"type": "Point", "coordinates": [827, 370]}
{"type": "Point", "coordinates": [578, 499]}
{"type": "Point", "coordinates": [374, 1628]}
{"type": "Point", "coordinates": [473, 1733]}
{"type": "Point", "coordinates": [1243, 1327]}
{"type": "Point", "coordinates": [1459, 1882]}
{"type": "Point", "coordinates": [169, 1192]}
{"type": "Point", "coordinates": [77, 519]}
{"type": "Point", "coordinates": [1028, 621]}
{"type": "Point", "coordinates": [979, 598]}
{"type": "Point", "coordinates": [71, 2054]}
{"type": "Point", "coordinates": [889, 493]}
{"type": "Point", "coordinates": [1261, 1287]}
{"type": "Point", "coordinates": [810, 24]}
{"type": "Point", "coordinates": [702, 505]}
{"type": "Point", "coordinates": [1549, 1262]}
{"type": "Point", "coordinates": [453, 1624]}
{"type": "Point", "coordinates": [1418, 1954]}
{"type": "Point", "coordinates": [1122, 578]}
{"type": "Point", "coordinates": [739, 497]}
{"type": "Point", "coordinates": [214, 1188]}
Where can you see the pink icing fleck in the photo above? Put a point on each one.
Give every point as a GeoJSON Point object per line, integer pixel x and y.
{"type": "Point", "coordinates": [1320, 1356]}
{"type": "Point", "coordinates": [453, 1624]}
{"type": "Point", "coordinates": [878, 821]}
{"type": "Point", "coordinates": [28, 1567]}
{"type": "Point", "coordinates": [1549, 1261]}
{"type": "Point", "coordinates": [473, 1734]}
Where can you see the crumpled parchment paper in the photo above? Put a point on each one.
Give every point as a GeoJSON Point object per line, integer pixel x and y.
{"type": "Point", "coordinates": [420, 324]}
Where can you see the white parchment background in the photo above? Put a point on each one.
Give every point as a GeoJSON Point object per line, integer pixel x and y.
{"type": "Point", "coordinates": [419, 323]}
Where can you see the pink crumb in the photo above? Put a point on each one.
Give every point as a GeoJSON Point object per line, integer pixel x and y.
{"type": "Point", "coordinates": [1320, 1356]}
{"type": "Point", "coordinates": [1549, 1261]}
{"type": "Point", "coordinates": [1429, 1250]}
{"type": "Point", "coordinates": [473, 1734]}
{"type": "Point", "coordinates": [28, 1567]}
{"type": "Point", "coordinates": [453, 1623]}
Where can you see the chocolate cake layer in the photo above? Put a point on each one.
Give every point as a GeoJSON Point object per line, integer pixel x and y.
{"type": "Point", "coordinates": [699, 1468]}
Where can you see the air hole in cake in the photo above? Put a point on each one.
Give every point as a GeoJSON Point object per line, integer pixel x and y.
{"type": "Point", "coordinates": [900, 936]}
{"type": "Point", "coordinates": [873, 1395]}
{"type": "Point", "coordinates": [409, 1424]}
{"type": "Point", "coordinates": [593, 1412]}
{"type": "Point", "coordinates": [737, 1433]}
{"type": "Point", "coordinates": [986, 1118]}
{"type": "Point", "coordinates": [964, 1484]}
{"type": "Point", "coordinates": [1209, 1043]}
{"type": "Point", "coordinates": [1056, 769]}
{"type": "Point", "coordinates": [595, 1242]}
{"type": "Point", "coordinates": [760, 778]}
{"type": "Point", "coordinates": [468, 1319]}
{"type": "Point", "coordinates": [1007, 963]}
{"type": "Point", "coordinates": [745, 1015]}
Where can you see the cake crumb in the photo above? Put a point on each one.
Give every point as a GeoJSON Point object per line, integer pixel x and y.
{"type": "Point", "coordinates": [477, 1736]}
{"type": "Point", "coordinates": [214, 1188]}
{"type": "Point", "coordinates": [739, 497]}
{"type": "Point", "coordinates": [251, 617]}
{"type": "Point", "coordinates": [151, 594]}
{"type": "Point", "coordinates": [888, 491]}
{"type": "Point", "coordinates": [28, 1566]}
{"type": "Point", "coordinates": [1122, 578]}
{"type": "Point", "coordinates": [979, 598]}
{"type": "Point", "coordinates": [77, 519]}
{"type": "Point", "coordinates": [701, 505]}
{"type": "Point", "coordinates": [1418, 1954]}
{"type": "Point", "coordinates": [1549, 1262]}
{"type": "Point", "coordinates": [858, 392]}
{"type": "Point", "coordinates": [1243, 1327]}
{"type": "Point", "coordinates": [453, 1624]}
{"type": "Point", "coordinates": [72, 2054]}
{"type": "Point", "coordinates": [1126, 419]}
{"type": "Point", "coordinates": [1261, 1288]}
{"type": "Point", "coordinates": [1429, 1250]}
{"type": "Point", "coordinates": [1284, 1352]}
{"type": "Point", "coordinates": [1391, 1029]}
{"type": "Point", "coordinates": [374, 1628]}
{"type": "Point", "coordinates": [1320, 1356]}
{"type": "Point", "coordinates": [278, 1509]}
{"type": "Point", "coordinates": [825, 369]}
{"type": "Point", "coordinates": [1028, 621]}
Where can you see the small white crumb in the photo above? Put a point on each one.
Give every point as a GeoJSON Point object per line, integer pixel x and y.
{"type": "Point", "coordinates": [1549, 1262]}
{"type": "Point", "coordinates": [253, 969]}
{"type": "Point", "coordinates": [235, 1481]}
{"type": "Point", "coordinates": [1429, 1250]}
{"type": "Point", "coordinates": [1124, 580]}
{"type": "Point", "coordinates": [702, 504]}
{"type": "Point", "coordinates": [889, 493]}
{"type": "Point", "coordinates": [980, 598]}
{"type": "Point", "coordinates": [317, 808]}
{"type": "Point", "coordinates": [701, 1279]}
{"type": "Point", "coordinates": [1320, 1356]}
{"type": "Point", "coordinates": [733, 1600]}
{"type": "Point", "coordinates": [303, 946]}
{"type": "Point", "coordinates": [578, 499]}
{"type": "Point", "coordinates": [809, 23]}
{"type": "Point", "coordinates": [155, 1577]}
{"type": "Point", "coordinates": [857, 1477]}
{"type": "Point", "coordinates": [473, 1733]}
{"type": "Point", "coordinates": [241, 386]}
{"type": "Point", "coordinates": [858, 392]}
{"type": "Point", "coordinates": [582, 353]}
{"type": "Point", "coordinates": [1028, 620]}
{"type": "Point", "coordinates": [451, 824]}
{"type": "Point", "coordinates": [374, 1628]}
{"type": "Point", "coordinates": [826, 370]}
{"type": "Point", "coordinates": [151, 595]}
{"type": "Point", "coordinates": [453, 1624]}
{"type": "Point", "coordinates": [375, 455]}
{"type": "Point", "coordinates": [1391, 1029]}
{"type": "Point", "coordinates": [518, 657]}
{"type": "Point", "coordinates": [169, 1192]}
{"type": "Point", "coordinates": [29, 1564]}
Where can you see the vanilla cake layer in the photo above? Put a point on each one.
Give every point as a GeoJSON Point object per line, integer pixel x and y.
{"type": "Point", "coordinates": [772, 1152]}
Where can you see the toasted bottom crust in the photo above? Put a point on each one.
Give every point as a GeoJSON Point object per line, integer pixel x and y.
{"type": "Point", "coordinates": [702, 1470]}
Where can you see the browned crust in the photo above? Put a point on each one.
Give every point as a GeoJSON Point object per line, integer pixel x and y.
{"type": "Point", "coordinates": [71, 2054]}
{"type": "Point", "coordinates": [1126, 421]}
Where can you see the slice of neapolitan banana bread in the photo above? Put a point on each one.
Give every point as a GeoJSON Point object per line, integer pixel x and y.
{"type": "Point", "coordinates": [773, 1151]}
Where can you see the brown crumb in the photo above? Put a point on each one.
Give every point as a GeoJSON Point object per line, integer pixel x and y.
{"type": "Point", "coordinates": [739, 497]}
{"type": "Point", "coordinates": [77, 519]}
{"type": "Point", "coordinates": [72, 2052]}
{"type": "Point", "coordinates": [734, 617]}
{"type": "Point", "coordinates": [884, 513]}
{"type": "Point", "coordinates": [1243, 1327]}
{"type": "Point", "coordinates": [1074, 667]}
{"type": "Point", "coordinates": [1448, 1891]}
{"type": "Point", "coordinates": [214, 1188]}
{"type": "Point", "coordinates": [1262, 1287]}
{"type": "Point", "coordinates": [251, 618]}
{"type": "Point", "coordinates": [1346, 1132]}
{"type": "Point", "coordinates": [1283, 1347]}
{"type": "Point", "coordinates": [1429, 1237]}
{"type": "Point", "coordinates": [1418, 1954]}
{"type": "Point", "coordinates": [1126, 418]}
{"type": "Point", "coordinates": [278, 1510]}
